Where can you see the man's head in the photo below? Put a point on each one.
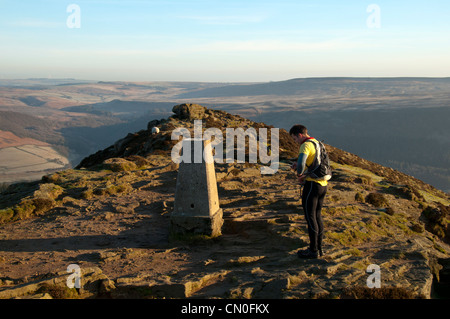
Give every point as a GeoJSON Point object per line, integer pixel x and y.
{"type": "Point", "coordinates": [299, 133]}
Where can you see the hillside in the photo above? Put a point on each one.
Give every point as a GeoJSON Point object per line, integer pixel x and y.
{"type": "Point", "coordinates": [111, 217]}
{"type": "Point", "coordinates": [28, 126]}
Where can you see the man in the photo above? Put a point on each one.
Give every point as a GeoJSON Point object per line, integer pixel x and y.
{"type": "Point", "coordinates": [314, 190]}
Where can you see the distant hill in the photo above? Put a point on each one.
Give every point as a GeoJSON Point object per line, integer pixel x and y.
{"type": "Point", "coordinates": [40, 82]}
{"type": "Point", "coordinates": [362, 87]}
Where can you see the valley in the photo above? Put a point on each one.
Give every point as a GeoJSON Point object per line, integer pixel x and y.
{"type": "Point", "coordinates": [397, 122]}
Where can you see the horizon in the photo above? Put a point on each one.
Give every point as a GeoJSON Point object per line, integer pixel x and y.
{"type": "Point", "coordinates": [212, 41]}
{"type": "Point", "coordinates": [230, 82]}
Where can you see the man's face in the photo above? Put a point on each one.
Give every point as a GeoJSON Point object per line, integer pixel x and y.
{"type": "Point", "coordinates": [298, 138]}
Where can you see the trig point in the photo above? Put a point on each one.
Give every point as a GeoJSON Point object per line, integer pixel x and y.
{"type": "Point", "coordinates": [196, 207]}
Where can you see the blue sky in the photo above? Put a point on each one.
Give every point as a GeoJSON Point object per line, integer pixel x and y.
{"type": "Point", "coordinates": [225, 41]}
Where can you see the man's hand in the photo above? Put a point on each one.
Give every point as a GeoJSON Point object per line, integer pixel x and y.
{"type": "Point", "coordinates": [294, 166]}
{"type": "Point", "coordinates": [301, 179]}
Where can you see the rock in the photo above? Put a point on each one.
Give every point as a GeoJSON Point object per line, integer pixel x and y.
{"type": "Point", "coordinates": [109, 256]}
{"type": "Point", "coordinates": [189, 111]}
{"type": "Point", "coordinates": [238, 293]}
{"type": "Point", "coordinates": [164, 287]}
{"type": "Point", "coordinates": [37, 296]}
{"type": "Point", "coordinates": [193, 286]}
{"type": "Point", "coordinates": [441, 288]}
{"type": "Point", "coordinates": [436, 221]}
{"type": "Point", "coordinates": [121, 144]}
{"type": "Point", "coordinates": [153, 124]}
{"type": "Point", "coordinates": [318, 292]}
{"type": "Point", "coordinates": [90, 281]}
{"type": "Point", "coordinates": [19, 291]}
{"type": "Point", "coordinates": [294, 280]}
{"type": "Point", "coordinates": [106, 286]}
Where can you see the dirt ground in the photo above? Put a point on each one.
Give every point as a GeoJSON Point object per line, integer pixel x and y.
{"type": "Point", "coordinates": [126, 236]}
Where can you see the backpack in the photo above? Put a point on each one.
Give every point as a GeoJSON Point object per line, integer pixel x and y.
{"type": "Point", "coordinates": [320, 168]}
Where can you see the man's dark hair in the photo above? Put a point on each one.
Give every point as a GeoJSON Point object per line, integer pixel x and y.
{"type": "Point", "coordinates": [298, 129]}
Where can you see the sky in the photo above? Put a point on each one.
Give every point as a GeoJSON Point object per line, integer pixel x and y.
{"type": "Point", "coordinates": [223, 41]}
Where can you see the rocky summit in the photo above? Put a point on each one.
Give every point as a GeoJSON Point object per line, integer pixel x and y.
{"type": "Point", "coordinates": [110, 218]}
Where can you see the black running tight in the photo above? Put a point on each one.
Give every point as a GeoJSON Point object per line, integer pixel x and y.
{"type": "Point", "coordinates": [312, 202]}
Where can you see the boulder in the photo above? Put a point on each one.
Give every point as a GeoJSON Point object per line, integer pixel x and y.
{"type": "Point", "coordinates": [189, 111]}
{"type": "Point", "coordinates": [92, 280]}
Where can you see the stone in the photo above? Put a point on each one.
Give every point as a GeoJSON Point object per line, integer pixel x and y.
{"type": "Point", "coordinates": [153, 124]}
{"type": "Point", "coordinates": [196, 207]}
{"type": "Point", "coordinates": [91, 279]}
{"type": "Point", "coordinates": [106, 285]}
{"type": "Point", "coordinates": [189, 111]}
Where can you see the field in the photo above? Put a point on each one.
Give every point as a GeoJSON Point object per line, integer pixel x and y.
{"type": "Point", "coordinates": [26, 159]}
{"type": "Point", "coordinates": [29, 162]}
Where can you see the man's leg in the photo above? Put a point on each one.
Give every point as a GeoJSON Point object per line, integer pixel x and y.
{"type": "Point", "coordinates": [309, 203]}
{"type": "Point", "coordinates": [322, 190]}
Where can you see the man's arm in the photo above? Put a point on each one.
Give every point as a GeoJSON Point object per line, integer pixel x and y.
{"type": "Point", "coordinates": [301, 163]}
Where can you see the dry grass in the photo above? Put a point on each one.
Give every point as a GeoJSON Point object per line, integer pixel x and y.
{"type": "Point", "coordinates": [377, 200]}
{"type": "Point", "coordinates": [57, 292]}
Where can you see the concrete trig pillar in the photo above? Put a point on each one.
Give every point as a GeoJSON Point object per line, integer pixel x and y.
{"type": "Point", "coordinates": [196, 207]}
